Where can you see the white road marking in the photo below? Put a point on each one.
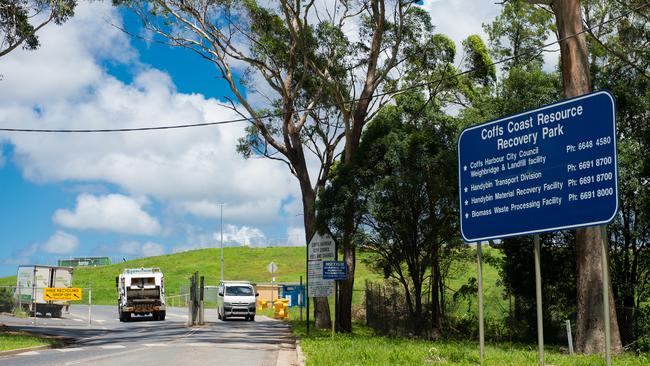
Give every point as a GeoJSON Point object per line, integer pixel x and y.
{"type": "Point", "coordinates": [112, 346]}
{"type": "Point", "coordinates": [155, 345]}
{"type": "Point", "coordinates": [28, 353]}
{"type": "Point", "coordinates": [199, 344]}
{"type": "Point", "coordinates": [177, 316]}
{"type": "Point", "coordinates": [98, 320]}
{"type": "Point", "coordinates": [77, 320]}
{"type": "Point", "coordinates": [69, 349]}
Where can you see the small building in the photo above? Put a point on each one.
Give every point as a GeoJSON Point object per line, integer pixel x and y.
{"type": "Point", "coordinates": [85, 262]}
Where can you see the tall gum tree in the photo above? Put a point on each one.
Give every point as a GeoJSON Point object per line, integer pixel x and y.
{"type": "Point", "coordinates": [262, 51]}
{"type": "Point", "coordinates": [574, 63]}
{"type": "Point", "coordinates": [359, 72]}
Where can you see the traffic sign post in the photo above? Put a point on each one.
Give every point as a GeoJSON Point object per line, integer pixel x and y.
{"type": "Point", "coordinates": [549, 169]}
{"type": "Point", "coordinates": [319, 248]}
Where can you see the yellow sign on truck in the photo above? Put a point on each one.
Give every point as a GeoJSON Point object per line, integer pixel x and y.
{"type": "Point", "coordinates": [57, 293]}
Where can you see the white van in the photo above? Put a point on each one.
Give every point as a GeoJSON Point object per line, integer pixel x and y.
{"type": "Point", "coordinates": [236, 298]}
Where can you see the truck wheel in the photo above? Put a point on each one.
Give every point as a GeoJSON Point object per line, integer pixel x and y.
{"type": "Point", "coordinates": [251, 318]}
{"type": "Point", "coordinates": [56, 313]}
{"type": "Point", "coordinates": [127, 317]}
{"type": "Point", "coordinates": [162, 315]}
{"type": "Point", "coordinates": [218, 314]}
{"type": "Point", "coordinates": [224, 317]}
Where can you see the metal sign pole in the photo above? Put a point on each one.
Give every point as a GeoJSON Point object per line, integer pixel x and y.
{"type": "Point", "coordinates": [538, 300]}
{"type": "Point", "coordinates": [481, 329]}
{"type": "Point", "coordinates": [307, 283]}
{"type": "Point", "coordinates": [301, 298]}
{"type": "Point", "coordinates": [605, 265]}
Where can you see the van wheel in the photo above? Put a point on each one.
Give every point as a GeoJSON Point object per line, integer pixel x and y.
{"type": "Point", "coordinates": [224, 317]}
{"type": "Point", "coordinates": [219, 315]}
{"type": "Point", "coordinates": [251, 318]}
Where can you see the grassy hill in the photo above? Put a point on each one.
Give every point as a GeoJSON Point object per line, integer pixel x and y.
{"type": "Point", "coordinates": [244, 263]}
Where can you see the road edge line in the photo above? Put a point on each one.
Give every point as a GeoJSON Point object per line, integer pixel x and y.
{"type": "Point", "coordinates": [26, 349]}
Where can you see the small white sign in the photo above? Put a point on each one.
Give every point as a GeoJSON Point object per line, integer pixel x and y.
{"type": "Point", "coordinates": [318, 287]}
{"type": "Point", "coordinates": [321, 248]}
{"type": "Point", "coordinates": [272, 267]}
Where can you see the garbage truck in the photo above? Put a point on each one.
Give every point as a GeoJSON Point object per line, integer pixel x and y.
{"type": "Point", "coordinates": [141, 291]}
{"type": "Point", "coordinates": [31, 282]}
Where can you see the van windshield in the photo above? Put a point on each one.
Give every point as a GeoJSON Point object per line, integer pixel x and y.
{"type": "Point", "coordinates": [239, 291]}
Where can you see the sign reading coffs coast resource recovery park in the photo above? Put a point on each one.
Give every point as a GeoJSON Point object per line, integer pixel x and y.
{"type": "Point", "coordinates": [548, 169]}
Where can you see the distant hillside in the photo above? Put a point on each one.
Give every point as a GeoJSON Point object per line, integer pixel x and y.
{"type": "Point", "coordinates": [241, 263]}
{"type": "Point", "coordinates": [244, 263]}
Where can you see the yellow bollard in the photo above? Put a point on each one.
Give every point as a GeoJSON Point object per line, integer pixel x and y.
{"type": "Point", "coordinates": [263, 304]}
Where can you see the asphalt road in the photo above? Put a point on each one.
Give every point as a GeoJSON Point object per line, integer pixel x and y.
{"type": "Point", "coordinates": [143, 341]}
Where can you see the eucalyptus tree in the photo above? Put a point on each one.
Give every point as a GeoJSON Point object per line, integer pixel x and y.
{"type": "Point", "coordinates": [20, 20]}
{"type": "Point", "coordinates": [619, 61]}
{"type": "Point", "coordinates": [316, 65]}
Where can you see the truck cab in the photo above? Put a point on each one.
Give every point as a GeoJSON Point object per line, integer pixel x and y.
{"type": "Point", "coordinates": [236, 299]}
{"type": "Point", "coordinates": [141, 291]}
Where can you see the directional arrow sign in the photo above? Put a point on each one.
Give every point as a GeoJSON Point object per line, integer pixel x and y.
{"type": "Point", "coordinates": [62, 294]}
{"type": "Point", "coordinates": [549, 169]}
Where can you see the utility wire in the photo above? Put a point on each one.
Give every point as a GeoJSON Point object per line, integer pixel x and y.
{"type": "Point", "coordinates": [275, 115]}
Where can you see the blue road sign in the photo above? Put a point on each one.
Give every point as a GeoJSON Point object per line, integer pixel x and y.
{"type": "Point", "coordinates": [548, 169]}
{"type": "Point", "coordinates": [335, 270]}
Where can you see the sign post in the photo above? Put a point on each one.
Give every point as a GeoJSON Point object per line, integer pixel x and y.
{"type": "Point", "coordinates": [549, 169]}
{"type": "Point", "coordinates": [272, 268]}
{"type": "Point", "coordinates": [538, 300]}
{"type": "Point", "coordinates": [320, 248]}
{"type": "Point", "coordinates": [481, 326]}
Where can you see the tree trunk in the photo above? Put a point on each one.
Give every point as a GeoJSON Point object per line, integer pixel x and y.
{"type": "Point", "coordinates": [590, 334]}
{"type": "Point", "coordinates": [322, 318]}
{"type": "Point", "coordinates": [436, 314]}
{"type": "Point", "coordinates": [346, 289]}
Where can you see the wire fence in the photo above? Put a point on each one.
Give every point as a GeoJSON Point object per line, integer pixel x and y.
{"type": "Point", "coordinates": [387, 311]}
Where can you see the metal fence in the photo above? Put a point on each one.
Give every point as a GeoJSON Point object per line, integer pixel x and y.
{"type": "Point", "coordinates": [388, 313]}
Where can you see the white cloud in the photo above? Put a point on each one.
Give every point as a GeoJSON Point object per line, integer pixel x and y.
{"type": "Point", "coordinates": [60, 243]}
{"type": "Point", "coordinates": [296, 236]}
{"type": "Point", "coordinates": [113, 212]}
{"type": "Point", "coordinates": [148, 249]}
{"type": "Point", "coordinates": [243, 235]}
{"type": "Point", "coordinates": [452, 18]}
{"type": "Point", "coordinates": [64, 84]}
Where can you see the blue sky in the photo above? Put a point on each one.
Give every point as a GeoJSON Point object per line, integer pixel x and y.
{"type": "Point", "coordinates": [138, 194]}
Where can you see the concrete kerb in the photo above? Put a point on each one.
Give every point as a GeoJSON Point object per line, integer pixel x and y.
{"type": "Point", "coordinates": [26, 349]}
{"type": "Point", "coordinates": [288, 351]}
{"type": "Point", "coordinates": [300, 354]}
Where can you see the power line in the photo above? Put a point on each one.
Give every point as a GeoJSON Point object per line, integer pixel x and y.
{"type": "Point", "coordinates": [275, 115]}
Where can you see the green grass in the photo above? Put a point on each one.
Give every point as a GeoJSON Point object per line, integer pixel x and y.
{"type": "Point", "coordinates": [241, 263]}
{"type": "Point", "coordinates": [11, 341]}
{"type": "Point", "coordinates": [364, 348]}
{"type": "Point", "coordinates": [244, 263]}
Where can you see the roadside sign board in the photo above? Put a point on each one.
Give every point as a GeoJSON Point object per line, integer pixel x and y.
{"type": "Point", "coordinates": [58, 294]}
{"type": "Point", "coordinates": [272, 267]}
{"type": "Point", "coordinates": [321, 247]}
{"type": "Point", "coordinates": [548, 169]}
{"type": "Point", "coordinates": [335, 270]}
{"type": "Point", "coordinates": [318, 286]}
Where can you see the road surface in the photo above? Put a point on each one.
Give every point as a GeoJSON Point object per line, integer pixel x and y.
{"type": "Point", "coordinates": [264, 342]}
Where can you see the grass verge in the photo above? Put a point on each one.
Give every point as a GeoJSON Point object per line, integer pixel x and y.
{"type": "Point", "coordinates": [364, 348]}
{"type": "Point", "coordinates": [12, 341]}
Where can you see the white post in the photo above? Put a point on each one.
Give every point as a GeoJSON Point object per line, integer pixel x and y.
{"type": "Point", "coordinates": [221, 206]}
{"type": "Point", "coordinates": [90, 302]}
{"type": "Point", "coordinates": [569, 336]}
{"type": "Point", "coordinates": [538, 299]}
{"type": "Point", "coordinates": [481, 329]}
